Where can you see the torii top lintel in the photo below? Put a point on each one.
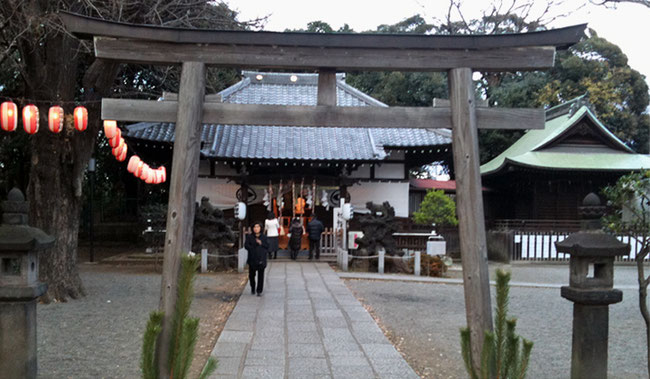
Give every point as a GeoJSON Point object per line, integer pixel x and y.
{"type": "Point", "coordinates": [342, 51]}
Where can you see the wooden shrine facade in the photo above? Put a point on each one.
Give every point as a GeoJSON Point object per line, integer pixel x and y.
{"type": "Point", "coordinates": [546, 174]}
{"type": "Point", "coordinates": [325, 53]}
{"type": "Point", "coordinates": [365, 164]}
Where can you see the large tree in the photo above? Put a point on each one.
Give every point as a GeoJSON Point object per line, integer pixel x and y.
{"type": "Point", "coordinates": [49, 66]}
{"type": "Point", "coordinates": [594, 67]}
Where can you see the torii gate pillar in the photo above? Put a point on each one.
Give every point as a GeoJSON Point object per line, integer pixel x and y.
{"type": "Point", "coordinates": [182, 194]}
{"type": "Point", "coordinates": [471, 221]}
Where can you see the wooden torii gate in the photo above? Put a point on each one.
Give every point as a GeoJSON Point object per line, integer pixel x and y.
{"type": "Point", "coordinates": [326, 53]}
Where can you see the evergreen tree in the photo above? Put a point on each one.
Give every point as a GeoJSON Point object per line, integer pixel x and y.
{"type": "Point", "coordinates": [184, 331]}
{"type": "Point", "coordinates": [502, 355]}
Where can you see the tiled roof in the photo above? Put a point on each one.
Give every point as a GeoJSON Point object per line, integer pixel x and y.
{"type": "Point", "coordinates": [301, 143]}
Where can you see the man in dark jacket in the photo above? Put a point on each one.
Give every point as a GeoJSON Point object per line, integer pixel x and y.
{"type": "Point", "coordinates": [314, 230]}
{"type": "Point", "coordinates": [258, 246]}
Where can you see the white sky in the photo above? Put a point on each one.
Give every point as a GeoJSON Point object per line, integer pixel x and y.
{"type": "Point", "coordinates": [628, 25]}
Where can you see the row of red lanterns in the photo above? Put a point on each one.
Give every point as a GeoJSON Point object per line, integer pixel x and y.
{"type": "Point", "coordinates": [9, 118]}
{"type": "Point", "coordinates": [135, 166]}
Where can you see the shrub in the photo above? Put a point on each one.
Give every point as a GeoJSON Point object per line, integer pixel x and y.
{"type": "Point", "coordinates": [436, 208]}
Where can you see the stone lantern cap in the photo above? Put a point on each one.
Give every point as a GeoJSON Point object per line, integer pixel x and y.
{"type": "Point", "coordinates": [15, 234]}
{"type": "Point", "coordinates": [592, 244]}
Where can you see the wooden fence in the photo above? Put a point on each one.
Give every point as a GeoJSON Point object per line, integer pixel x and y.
{"type": "Point", "coordinates": [540, 246]}
{"type": "Point", "coordinates": [327, 241]}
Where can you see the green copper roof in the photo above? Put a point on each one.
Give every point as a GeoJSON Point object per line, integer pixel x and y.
{"type": "Point", "coordinates": [536, 147]}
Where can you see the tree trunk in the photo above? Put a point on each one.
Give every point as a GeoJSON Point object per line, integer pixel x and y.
{"type": "Point", "coordinates": [643, 302]}
{"type": "Point", "coordinates": [59, 161]}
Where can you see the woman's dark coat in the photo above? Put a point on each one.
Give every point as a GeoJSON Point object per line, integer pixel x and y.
{"type": "Point", "coordinates": [296, 237]}
{"type": "Point", "coordinates": [256, 253]}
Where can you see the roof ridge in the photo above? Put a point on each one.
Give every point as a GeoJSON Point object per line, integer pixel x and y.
{"type": "Point", "coordinates": [359, 94]}
{"type": "Point", "coordinates": [570, 107]}
{"type": "Point", "coordinates": [225, 93]}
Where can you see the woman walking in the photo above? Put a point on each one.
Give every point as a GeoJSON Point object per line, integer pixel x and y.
{"type": "Point", "coordinates": [271, 226]}
{"type": "Point", "coordinates": [295, 240]}
{"type": "Point", "coordinates": [257, 245]}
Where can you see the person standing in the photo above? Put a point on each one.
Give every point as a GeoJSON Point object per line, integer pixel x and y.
{"type": "Point", "coordinates": [271, 227]}
{"type": "Point", "coordinates": [314, 230]}
{"type": "Point", "coordinates": [295, 240]}
{"type": "Point", "coordinates": [257, 245]}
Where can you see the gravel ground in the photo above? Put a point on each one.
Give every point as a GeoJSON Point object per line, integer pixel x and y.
{"type": "Point", "coordinates": [100, 335]}
{"type": "Point", "coordinates": [423, 320]}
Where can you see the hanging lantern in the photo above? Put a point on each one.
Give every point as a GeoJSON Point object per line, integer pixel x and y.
{"type": "Point", "coordinates": [151, 177]}
{"type": "Point", "coordinates": [144, 174]}
{"type": "Point", "coordinates": [110, 128]}
{"type": "Point", "coordinates": [122, 156]}
{"type": "Point", "coordinates": [115, 141]}
{"type": "Point", "coordinates": [133, 163]}
{"type": "Point", "coordinates": [30, 119]}
{"type": "Point", "coordinates": [156, 176]}
{"type": "Point", "coordinates": [120, 151]}
{"type": "Point", "coordinates": [8, 116]}
{"type": "Point", "coordinates": [55, 119]}
{"type": "Point", "coordinates": [138, 169]}
{"type": "Point", "coordinates": [163, 172]}
{"type": "Point", "coordinates": [117, 150]}
{"type": "Point", "coordinates": [80, 118]}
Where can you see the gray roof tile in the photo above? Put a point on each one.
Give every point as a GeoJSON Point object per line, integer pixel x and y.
{"type": "Point", "coordinates": [296, 142]}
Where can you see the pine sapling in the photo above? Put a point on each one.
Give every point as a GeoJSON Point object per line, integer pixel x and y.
{"type": "Point", "coordinates": [502, 356]}
{"type": "Point", "coordinates": [184, 330]}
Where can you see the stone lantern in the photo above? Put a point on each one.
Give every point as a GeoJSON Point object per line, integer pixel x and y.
{"type": "Point", "coordinates": [591, 289]}
{"type": "Point", "coordinates": [19, 287]}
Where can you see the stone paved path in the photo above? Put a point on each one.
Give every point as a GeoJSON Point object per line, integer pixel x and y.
{"type": "Point", "coordinates": [306, 325]}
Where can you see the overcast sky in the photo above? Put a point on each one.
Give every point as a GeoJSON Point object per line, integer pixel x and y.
{"type": "Point", "coordinates": [628, 25]}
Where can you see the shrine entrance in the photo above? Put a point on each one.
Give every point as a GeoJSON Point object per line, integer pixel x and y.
{"type": "Point", "coordinates": [458, 55]}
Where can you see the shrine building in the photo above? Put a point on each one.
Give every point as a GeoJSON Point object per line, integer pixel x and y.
{"type": "Point", "coordinates": [319, 164]}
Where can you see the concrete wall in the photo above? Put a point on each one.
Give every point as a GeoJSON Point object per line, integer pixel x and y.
{"type": "Point", "coordinates": [397, 194]}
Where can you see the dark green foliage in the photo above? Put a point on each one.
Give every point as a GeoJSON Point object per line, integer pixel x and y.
{"type": "Point", "coordinates": [502, 355]}
{"type": "Point", "coordinates": [378, 227]}
{"type": "Point", "coordinates": [211, 228]}
{"type": "Point", "coordinates": [148, 363]}
{"type": "Point", "coordinates": [184, 330]}
{"type": "Point", "coordinates": [629, 201]}
{"type": "Point", "coordinates": [436, 208]}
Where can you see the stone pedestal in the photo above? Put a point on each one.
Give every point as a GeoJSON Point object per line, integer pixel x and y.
{"type": "Point", "coordinates": [19, 288]}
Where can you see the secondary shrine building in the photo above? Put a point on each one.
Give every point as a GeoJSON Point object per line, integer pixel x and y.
{"type": "Point", "coordinates": [542, 178]}
{"type": "Point", "coordinates": [317, 165]}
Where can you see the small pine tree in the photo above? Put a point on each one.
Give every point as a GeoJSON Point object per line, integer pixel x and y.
{"type": "Point", "coordinates": [502, 356]}
{"type": "Point", "coordinates": [436, 208]}
{"type": "Point", "coordinates": [184, 331]}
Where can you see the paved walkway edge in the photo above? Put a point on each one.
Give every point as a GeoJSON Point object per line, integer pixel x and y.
{"type": "Point", "coordinates": [426, 279]}
{"type": "Point", "coordinates": [308, 324]}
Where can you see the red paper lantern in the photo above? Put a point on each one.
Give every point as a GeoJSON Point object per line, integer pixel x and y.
{"type": "Point", "coordinates": [138, 169]}
{"type": "Point", "coordinates": [80, 118]}
{"type": "Point", "coordinates": [30, 119]}
{"type": "Point", "coordinates": [117, 150]}
{"type": "Point", "coordinates": [151, 177]}
{"type": "Point", "coordinates": [163, 171]}
{"type": "Point", "coordinates": [110, 128]}
{"type": "Point", "coordinates": [115, 141]}
{"type": "Point", "coordinates": [122, 156]}
{"type": "Point", "coordinates": [157, 176]}
{"type": "Point", "coordinates": [133, 164]}
{"type": "Point", "coordinates": [145, 172]}
{"type": "Point", "coordinates": [55, 119]}
{"type": "Point", "coordinates": [8, 116]}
